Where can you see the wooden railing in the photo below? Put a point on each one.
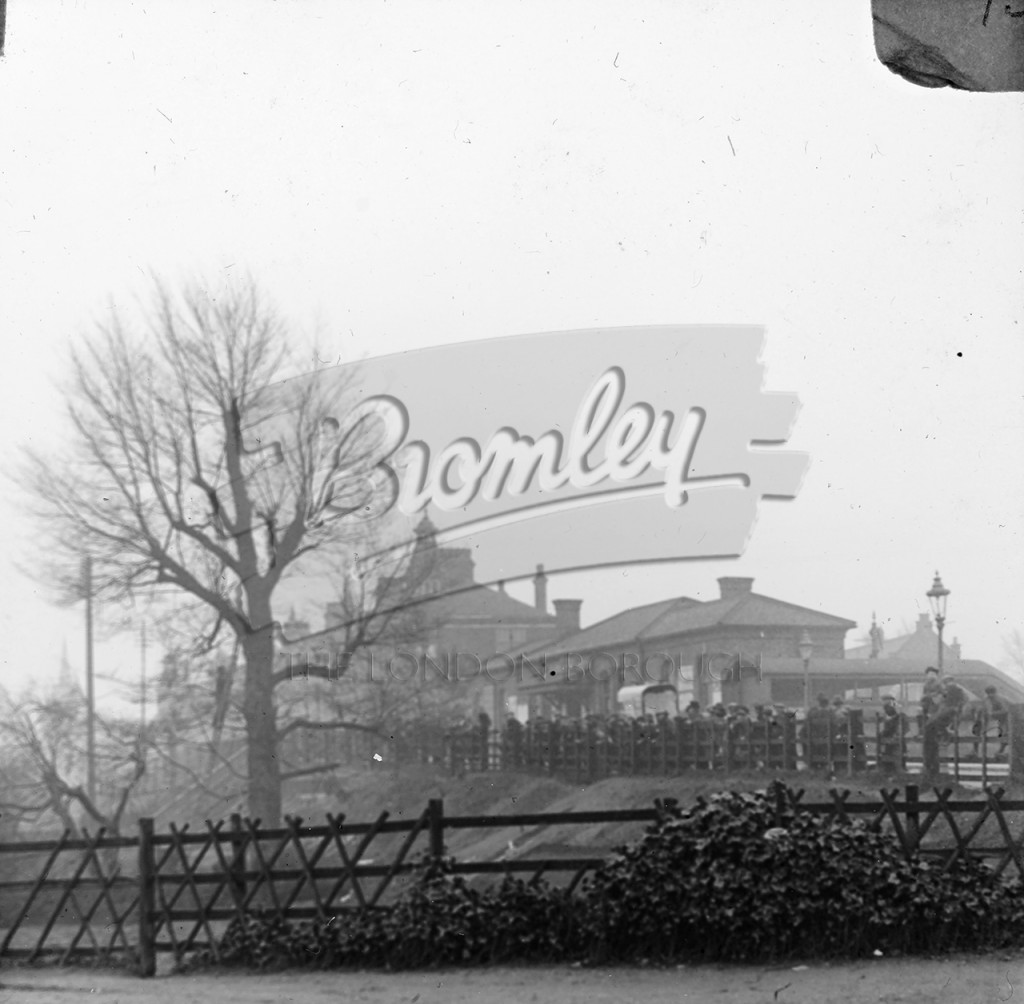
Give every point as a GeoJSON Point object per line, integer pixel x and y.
{"type": "Point", "coordinates": [84, 898]}
{"type": "Point", "coordinates": [587, 750]}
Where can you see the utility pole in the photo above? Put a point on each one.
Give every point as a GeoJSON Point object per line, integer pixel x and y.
{"type": "Point", "coordinates": [90, 692]}
{"type": "Point", "coordinates": [142, 704]}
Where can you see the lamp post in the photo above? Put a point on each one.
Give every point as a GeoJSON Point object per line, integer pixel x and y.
{"type": "Point", "coordinates": [937, 597]}
{"type": "Point", "coordinates": [806, 647]}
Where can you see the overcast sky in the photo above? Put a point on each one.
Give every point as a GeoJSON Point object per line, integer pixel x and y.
{"type": "Point", "coordinates": [400, 174]}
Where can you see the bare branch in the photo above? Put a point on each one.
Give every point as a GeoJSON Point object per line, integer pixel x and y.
{"type": "Point", "coordinates": [306, 723]}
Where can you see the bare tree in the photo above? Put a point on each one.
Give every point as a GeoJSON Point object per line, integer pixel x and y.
{"type": "Point", "coordinates": [193, 464]}
{"type": "Point", "coordinates": [43, 742]}
{"type": "Point", "coordinates": [1013, 652]}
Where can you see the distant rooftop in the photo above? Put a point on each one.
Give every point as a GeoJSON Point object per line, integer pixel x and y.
{"type": "Point", "coordinates": [738, 605]}
{"type": "Point", "coordinates": [922, 644]}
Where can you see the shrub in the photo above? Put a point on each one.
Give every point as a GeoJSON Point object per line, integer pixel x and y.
{"type": "Point", "coordinates": [738, 878]}
{"type": "Point", "coordinates": [444, 921]}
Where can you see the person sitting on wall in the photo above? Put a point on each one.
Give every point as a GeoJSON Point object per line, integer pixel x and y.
{"type": "Point", "coordinates": [952, 701]}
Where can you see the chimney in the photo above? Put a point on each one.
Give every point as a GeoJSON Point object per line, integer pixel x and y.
{"type": "Point", "coordinates": [295, 627]}
{"type": "Point", "coordinates": [567, 616]}
{"type": "Point", "coordinates": [924, 623]}
{"type": "Point", "coordinates": [540, 590]}
{"type": "Point", "coordinates": [955, 648]}
{"type": "Point", "coordinates": [731, 586]}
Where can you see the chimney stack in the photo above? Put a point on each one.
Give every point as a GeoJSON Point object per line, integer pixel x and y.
{"type": "Point", "coordinates": [731, 586]}
{"type": "Point", "coordinates": [955, 648]}
{"type": "Point", "coordinates": [540, 590]}
{"type": "Point", "coordinates": [567, 616]}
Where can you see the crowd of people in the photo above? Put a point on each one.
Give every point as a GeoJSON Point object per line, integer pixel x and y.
{"type": "Point", "coordinates": [829, 735]}
{"type": "Point", "coordinates": [730, 736]}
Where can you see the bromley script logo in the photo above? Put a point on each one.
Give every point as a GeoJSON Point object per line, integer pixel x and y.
{"type": "Point", "coordinates": [602, 446]}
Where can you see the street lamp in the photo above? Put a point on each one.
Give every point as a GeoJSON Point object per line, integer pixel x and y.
{"type": "Point", "coordinates": [806, 647]}
{"type": "Point", "coordinates": [937, 597]}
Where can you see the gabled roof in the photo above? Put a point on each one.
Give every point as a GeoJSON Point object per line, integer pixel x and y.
{"type": "Point", "coordinates": [680, 616]}
{"type": "Point", "coordinates": [744, 610]}
{"type": "Point", "coordinates": [483, 604]}
{"type": "Point", "coordinates": [615, 630]}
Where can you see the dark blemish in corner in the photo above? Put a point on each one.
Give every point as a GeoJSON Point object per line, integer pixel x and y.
{"type": "Point", "coordinates": [959, 355]}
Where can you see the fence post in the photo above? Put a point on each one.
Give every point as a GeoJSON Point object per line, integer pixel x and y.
{"type": "Point", "coordinates": [913, 817]}
{"type": "Point", "coordinates": [956, 745]}
{"type": "Point", "coordinates": [435, 824]}
{"type": "Point", "coordinates": [238, 855]}
{"type": "Point", "coordinates": [1015, 741]}
{"type": "Point", "coordinates": [779, 791]}
{"type": "Point", "coordinates": [147, 899]}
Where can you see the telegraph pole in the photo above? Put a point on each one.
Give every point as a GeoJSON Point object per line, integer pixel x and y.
{"type": "Point", "coordinates": [90, 691]}
{"type": "Point", "coordinates": [142, 705]}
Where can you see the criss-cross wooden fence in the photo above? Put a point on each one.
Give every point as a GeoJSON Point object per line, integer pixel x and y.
{"type": "Point", "coordinates": [69, 898]}
{"type": "Point", "coordinates": [128, 899]}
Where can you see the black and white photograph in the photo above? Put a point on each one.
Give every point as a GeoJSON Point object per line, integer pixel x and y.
{"type": "Point", "coordinates": [512, 501]}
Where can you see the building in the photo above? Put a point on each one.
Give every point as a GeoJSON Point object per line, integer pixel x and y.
{"type": "Point", "coordinates": [709, 650]}
{"type": "Point", "coordinates": [457, 632]}
{"type": "Point", "coordinates": [864, 682]}
{"type": "Point", "coordinates": [501, 656]}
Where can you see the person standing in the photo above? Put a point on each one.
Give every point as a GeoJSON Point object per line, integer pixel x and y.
{"type": "Point", "coordinates": [992, 710]}
{"type": "Point", "coordinates": [892, 733]}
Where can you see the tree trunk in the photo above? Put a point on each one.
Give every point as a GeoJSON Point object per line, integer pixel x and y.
{"type": "Point", "coordinates": [264, 769]}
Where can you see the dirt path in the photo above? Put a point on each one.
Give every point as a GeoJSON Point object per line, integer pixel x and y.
{"type": "Point", "coordinates": [961, 980]}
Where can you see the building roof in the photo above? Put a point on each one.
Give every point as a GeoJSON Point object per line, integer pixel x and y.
{"type": "Point", "coordinates": [745, 610]}
{"type": "Point", "coordinates": [975, 674]}
{"type": "Point", "coordinates": [622, 627]}
{"type": "Point", "coordinates": [483, 604]}
{"type": "Point", "coordinates": [670, 618]}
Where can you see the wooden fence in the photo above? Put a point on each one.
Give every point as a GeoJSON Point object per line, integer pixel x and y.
{"type": "Point", "coordinates": [131, 898]}
{"type": "Point", "coordinates": [587, 750]}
